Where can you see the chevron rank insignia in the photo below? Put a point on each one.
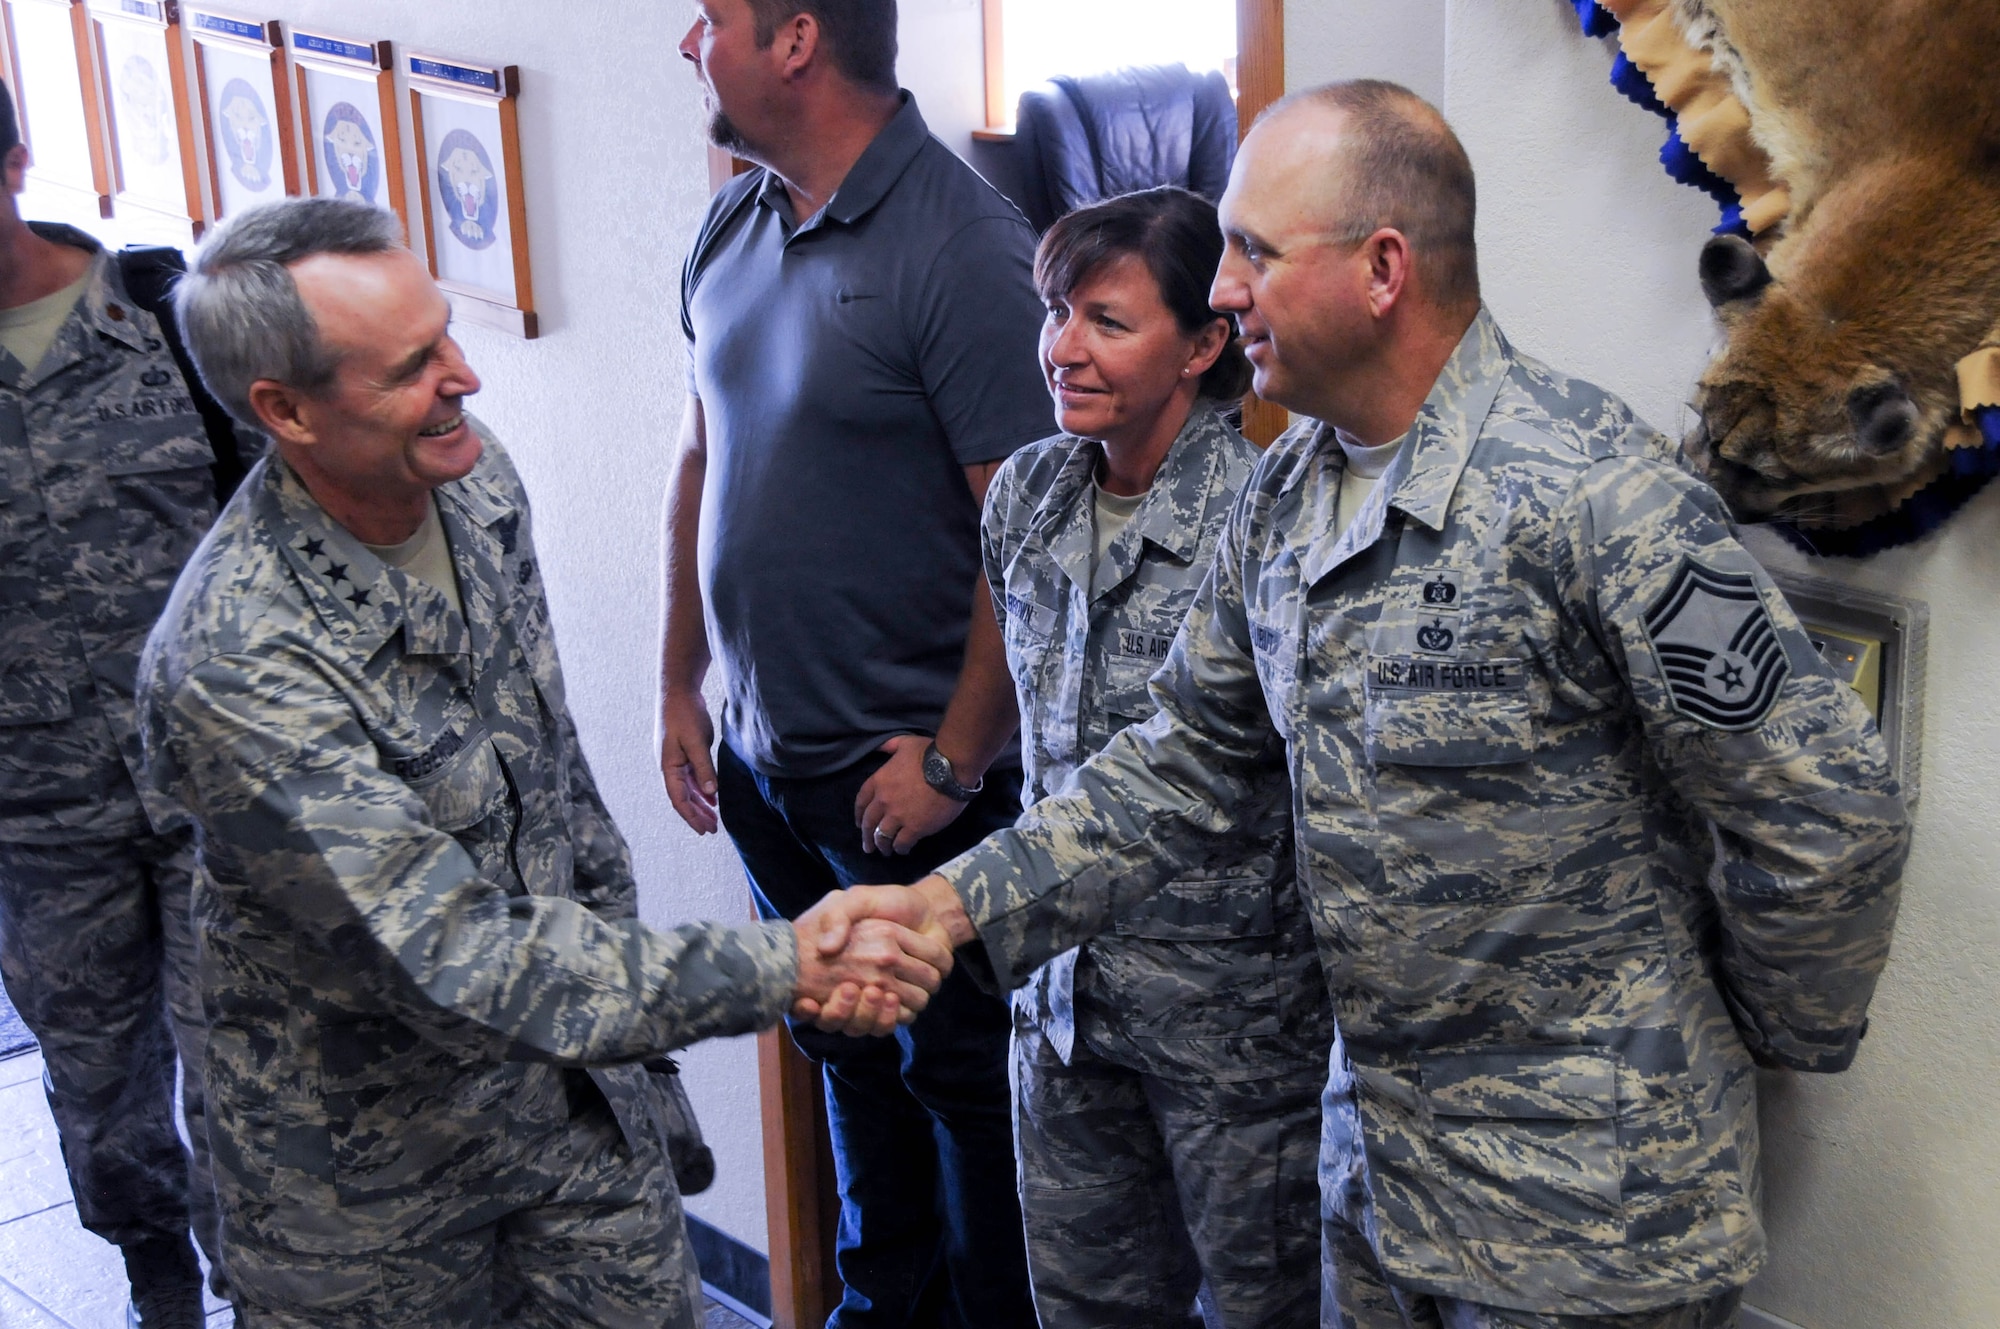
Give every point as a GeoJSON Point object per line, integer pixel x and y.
{"type": "Point", "coordinates": [1718, 651]}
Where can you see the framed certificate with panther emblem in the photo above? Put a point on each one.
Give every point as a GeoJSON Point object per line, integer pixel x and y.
{"type": "Point", "coordinates": [140, 58]}
{"type": "Point", "coordinates": [475, 211]}
{"type": "Point", "coordinates": [246, 104]}
{"type": "Point", "coordinates": [354, 133]}
{"type": "Point", "coordinates": [52, 66]}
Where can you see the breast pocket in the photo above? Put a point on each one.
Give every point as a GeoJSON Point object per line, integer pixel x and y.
{"type": "Point", "coordinates": [1456, 788]}
{"type": "Point", "coordinates": [1526, 1145]}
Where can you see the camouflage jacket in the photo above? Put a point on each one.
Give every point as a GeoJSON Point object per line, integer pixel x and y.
{"type": "Point", "coordinates": [1216, 976]}
{"type": "Point", "coordinates": [413, 905]}
{"type": "Point", "coordinates": [105, 490]}
{"type": "Point", "coordinates": [1579, 812]}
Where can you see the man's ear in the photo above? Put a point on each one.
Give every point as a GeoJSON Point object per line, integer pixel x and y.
{"type": "Point", "coordinates": [1389, 266]}
{"type": "Point", "coordinates": [283, 412]}
{"type": "Point", "coordinates": [797, 42]}
{"type": "Point", "coordinates": [14, 167]}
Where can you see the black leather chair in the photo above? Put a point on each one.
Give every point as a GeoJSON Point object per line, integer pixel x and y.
{"type": "Point", "coordinates": [1078, 140]}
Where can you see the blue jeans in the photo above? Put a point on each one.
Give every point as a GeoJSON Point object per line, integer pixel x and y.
{"type": "Point", "coordinates": [922, 1123]}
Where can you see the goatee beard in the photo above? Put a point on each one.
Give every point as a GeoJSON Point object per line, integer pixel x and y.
{"type": "Point", "coordinates": [723, 133]}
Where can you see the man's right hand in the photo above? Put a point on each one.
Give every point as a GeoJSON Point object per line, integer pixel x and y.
{"type": "Point", "coordinates": [687, 736]}
{"type": "Point", "coordinates": [861, 972]}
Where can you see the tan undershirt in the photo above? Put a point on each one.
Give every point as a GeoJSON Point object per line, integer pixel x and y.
{"type": "Point", "coordinates": [1114, 514]}
{"type": "Point", "coordinates": [426, 556]}
{"type": "Point", "coordinates": [1365, 466]}
{"type": "Point", "coordinates": [28, 331]}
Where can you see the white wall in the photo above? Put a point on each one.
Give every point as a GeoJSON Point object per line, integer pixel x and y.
{"type": "Point", "coordinates": [1400, 40]}
{"type": "Point", "coordinates": [1883, 1184]}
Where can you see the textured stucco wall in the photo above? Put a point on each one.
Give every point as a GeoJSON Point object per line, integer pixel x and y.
{"type": "Point", "coordinates": [1882, 1185]}
{"type": "Point", "coordinates": [1400, 40]}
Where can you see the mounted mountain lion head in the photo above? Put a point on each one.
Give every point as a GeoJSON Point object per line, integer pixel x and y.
{"type": "Point", "coordinates": [1839, 374]}
{"type": "Point", "coordinates": [1837, 396]}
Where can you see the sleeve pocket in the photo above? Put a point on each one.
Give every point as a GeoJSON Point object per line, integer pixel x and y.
{"type": "Point", "coordinates": [1228, 908]}
{"type": "Point", "coordinates": [1527, 1145]}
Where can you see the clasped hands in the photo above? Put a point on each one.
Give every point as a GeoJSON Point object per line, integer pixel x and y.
{"type": "Point", "coordinates": [871, 956]}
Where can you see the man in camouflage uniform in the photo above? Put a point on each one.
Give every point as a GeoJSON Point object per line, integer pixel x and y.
{"type": "Point", "coordinates": [1170, 1070]}
{"type": "Point", "coordinates": [428, 990]}
{"type": "Point", "coordinates": [1586, 827]}
{"type": "Point", "coordinates": [107, 490]}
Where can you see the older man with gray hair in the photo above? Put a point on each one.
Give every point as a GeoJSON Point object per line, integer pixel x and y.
{"type": "Point", "coordinates": [431, 1001]}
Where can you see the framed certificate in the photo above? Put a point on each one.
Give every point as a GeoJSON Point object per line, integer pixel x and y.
{"type": "Point", "coordinates": [246, 105]}
{"type": "Point", "coordinates": [152, 123]}
{"type": "Point", "coordinates": [353, 132]}
{"type": "Point", "coordinates": [52, 62]}
{"type": "Point", "coordinates": [475, 215]}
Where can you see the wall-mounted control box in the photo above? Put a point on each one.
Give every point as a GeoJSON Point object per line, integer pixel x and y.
{"type": "Point", "coordinates": [1877, 644]}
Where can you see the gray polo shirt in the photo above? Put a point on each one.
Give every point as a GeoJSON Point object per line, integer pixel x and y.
{"type": "Point", "coordinates": [849, 367]}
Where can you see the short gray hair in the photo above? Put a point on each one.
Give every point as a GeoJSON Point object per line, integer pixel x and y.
{"type": "Point", "coordinates": [239, 309]}
{"type": "Point", "coordinates": [1404, 169]}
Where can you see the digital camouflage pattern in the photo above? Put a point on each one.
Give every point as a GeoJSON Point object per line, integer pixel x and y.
{"type": "Point", "coordinates": [1359, 1296]}
{"type": "Point", "coordinates": [415, 908]}
{"type": "Point", "coordinates": [1138, 1191]}
{"type": "Point", "coordinates": [105, 494]}
{"type": "Point", "coordinates": [1507, 831]}
{"type": "Point", "coordinates": [1203, 1015]}
{"type": "Point", "coordinates": [105, 490]}
{"type": "Point", "coordinates": [1217, 975]}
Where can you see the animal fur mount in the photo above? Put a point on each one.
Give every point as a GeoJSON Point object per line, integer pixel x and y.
{"type": "Point", "coordinates": [1863, 319]}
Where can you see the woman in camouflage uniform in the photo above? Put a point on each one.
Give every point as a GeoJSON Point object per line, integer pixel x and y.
{"type": "Point", "coordinates": [1167, 1076]}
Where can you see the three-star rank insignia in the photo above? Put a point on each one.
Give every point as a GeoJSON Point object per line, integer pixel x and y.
{"type": "Point", "coordinates": [1719, 653]}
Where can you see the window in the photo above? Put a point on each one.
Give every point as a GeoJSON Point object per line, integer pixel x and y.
{"type": "Point", "coordinates": [1029, 41]}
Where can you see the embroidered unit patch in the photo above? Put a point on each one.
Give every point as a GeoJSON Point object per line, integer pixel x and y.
{"type": "Point", "coordinates": [1718, 651]}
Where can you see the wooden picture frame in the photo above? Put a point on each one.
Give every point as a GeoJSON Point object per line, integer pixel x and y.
{"type": "Point", "coordinates": [148, 111]}
{"type": "Point", "coordinates": [52, 66]}
{"type": "Point", "coordinates": [353, 130]}
{"type": "Point", "coordinates": [244, 88]}
{"type": "Point", "coordinates": [468, 139]}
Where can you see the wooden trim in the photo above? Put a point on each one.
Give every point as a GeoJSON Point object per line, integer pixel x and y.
{"type": "Point", "coordinates": [801, 1196]}
{"type": "Point", "coordinates": [88, 61]}
{"type": "Point", "coordinates": [177, 79]}
{"type": "Point", "coordinates": [423, 178]}
{"type": "Point", "coordinates": [517, 193]}
{"type": "Point", "coordinates": [723, 166]}
{"type": "Point", "coordinates": [1260, 80]}
{"type": "Point", "coordinates": [998, 112]}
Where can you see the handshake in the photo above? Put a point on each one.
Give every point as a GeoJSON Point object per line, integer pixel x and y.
{"type": "Point", "coordinates": [871, 956]}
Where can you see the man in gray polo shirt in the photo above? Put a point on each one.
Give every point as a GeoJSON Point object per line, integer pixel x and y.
{"type": "Point", "coordinates": [862, 327]}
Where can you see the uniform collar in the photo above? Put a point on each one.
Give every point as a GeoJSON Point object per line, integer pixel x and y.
{"type": "Point", "coordinates": [869, 180]}
{"type": "Point", "coordinates": [365, 601]}
{"type": "Point", "coordinates": [1440, 442]}
{"type": "Point", "coordinates": [1424, 475]}
{"type": "Point", "coordinates": [1066, 518]}
{"type": "Point", "coordinates": [104, 309]}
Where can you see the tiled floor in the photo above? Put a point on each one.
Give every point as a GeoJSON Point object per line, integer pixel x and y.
{"type": "Point", "coordinates": [53, 1274]}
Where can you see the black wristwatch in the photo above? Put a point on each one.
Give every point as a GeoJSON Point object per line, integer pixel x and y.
{"type": "Point", "coordinates": [939, 775]}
